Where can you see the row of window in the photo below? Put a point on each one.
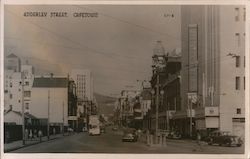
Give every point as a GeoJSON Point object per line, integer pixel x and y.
{"type": "Point", "coordinates": [20, 83]}
{"type": "Point", "coordinates": [26, 94]}
{"type": "Point", "coordinates": [238, 83]}
{"type": "Point", "coordinates": [26, 106]}
{"type": "Point", "coordinates": [240, 12]}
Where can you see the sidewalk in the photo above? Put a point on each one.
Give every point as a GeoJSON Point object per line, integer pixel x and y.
{"type": "Point", "coordinates": [19, 144]}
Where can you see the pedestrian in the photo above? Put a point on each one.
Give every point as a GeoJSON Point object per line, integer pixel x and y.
{"type": "Point", "coordinates": [26, 134]}
{"type": "Point", "coordinates": [35, 134]}
{"type": "Point", "coordinates": [54, 131]}
{"type": "Point", "coordinates": [198, 140]}
{"type": "Point", "coordinates": [30, 135]}
{"type": "Point", "coordinates": [40, 135]}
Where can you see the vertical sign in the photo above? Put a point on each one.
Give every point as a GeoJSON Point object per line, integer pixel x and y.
{"type": "Point", "coordinates": [192, 58]}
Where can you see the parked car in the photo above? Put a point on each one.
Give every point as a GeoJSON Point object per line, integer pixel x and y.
{"type": "Point", "coordinates": [130, 137]}
{"type": "Point", "coordinates": [224, 138]}
{"type": "Point", "coordinates": [174, 135]}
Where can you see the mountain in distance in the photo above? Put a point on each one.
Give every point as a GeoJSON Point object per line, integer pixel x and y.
{"type": "Point", "coordinates": [106, 104]}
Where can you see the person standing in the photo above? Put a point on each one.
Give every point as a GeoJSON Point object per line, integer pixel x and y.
{"type": "Point", "coordinates": [40, 135]}
{"type": "Point", "coordinates": [198, 140]}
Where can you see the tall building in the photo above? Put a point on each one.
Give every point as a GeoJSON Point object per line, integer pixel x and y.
{"type": "Point", "coordinates": [18, 80]}
{"type": "Point", "coordinates": [84, 83]}
{"type": "Point", "coordinates": [85, 94]}
{"type": "Point", "coordinates": [213, 80]}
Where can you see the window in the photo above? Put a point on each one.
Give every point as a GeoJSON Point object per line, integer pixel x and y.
{"type": "Point", "coordinates": [10, 84]}
{"type": "Point", "coordinates": [11, 96]}
{"type": "Point", "coordinates": [237, 14]}
{"type": "Point", "coordinates": [238, 111]}
{"type": "Point", "coordinates": [244, 84]}
{"type": "Point", "coordinates": [237, 38]}
{"type": "Point", "coordinates": [237, 83]}
{"type": "Point", "coordinates": [237, 60]}
{"type": "Point", "coordinates": [26, 106]}
{"type": "Point", "coordinates": [27, 93]}
{"type": "Point", "coordinates": [19, 101]}
{"type": "Point", "coordinates": [244, 61]}
{"type": "Point", "coordinates": [26, 83]}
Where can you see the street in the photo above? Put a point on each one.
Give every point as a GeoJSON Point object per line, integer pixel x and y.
{"type": "Point", "coordinates": [111, 142]}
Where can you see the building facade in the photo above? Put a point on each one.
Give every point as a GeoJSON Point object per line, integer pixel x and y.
{"type": "Point", "coordinates": [49, 100]}
{"type": "Point", "coordinates": [83, 79]}
{"type": "Point", "coordinates": [18, 80]}
{"type": "Point", "coordinates": [212, 85]}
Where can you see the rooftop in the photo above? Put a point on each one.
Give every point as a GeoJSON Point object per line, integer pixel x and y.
{"type": "Point", "coordinates": [59, 82]}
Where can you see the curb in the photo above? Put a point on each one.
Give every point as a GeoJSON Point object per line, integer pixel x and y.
{"type": "Point", "coordinates": [19, 147]}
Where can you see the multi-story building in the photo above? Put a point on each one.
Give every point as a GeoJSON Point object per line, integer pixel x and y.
{"type": "Point", "coordinates": [171, 87]}
{"type": "Point", "coordinates": [145, 101]}
{"type": "Point", "coordinates": [49, 100]}
{"type": "Point", "coordinates": [126, 106]}
{"type": "Point", "coordinates": [72, 105]}
{"type": "Point", "coordinates": [213, 80]}
{"type": "Point", "coordinates": [166, 76]}
{"type": "Point", "coordinates": [28, 78]}
{"type": "Point", "coordinates": [85, 95]}
{"type": "Point", "coordinates": [18, 80]}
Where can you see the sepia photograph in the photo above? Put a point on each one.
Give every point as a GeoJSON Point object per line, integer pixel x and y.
{"type": "Point", "coordinates": [124, 79]}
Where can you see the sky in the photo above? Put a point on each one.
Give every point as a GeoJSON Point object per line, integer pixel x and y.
{"type": "Point", "coordinates": [117, 46]}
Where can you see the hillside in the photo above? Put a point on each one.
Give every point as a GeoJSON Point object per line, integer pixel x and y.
{"type": "Point", "coordinates": [106, 104]}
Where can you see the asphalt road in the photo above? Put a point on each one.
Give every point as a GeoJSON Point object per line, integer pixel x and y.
{"type": "Point", "coordinates": [111, 142]}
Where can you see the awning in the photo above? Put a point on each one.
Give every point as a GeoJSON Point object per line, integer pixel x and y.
{"type": "Point", "coordinates": [180, 115]}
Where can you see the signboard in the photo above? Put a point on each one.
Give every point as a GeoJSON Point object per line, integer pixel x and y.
{"type": "Point", "coordinates": [211, 111]}
{"type": "Point", "coordinates": [192, 57]}
{"type": "Point", "coordinates": [192, 97]}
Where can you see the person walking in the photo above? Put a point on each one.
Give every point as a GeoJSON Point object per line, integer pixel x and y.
{"type": "Point", "coordinates": [198, 140]}
{"type": "Point", "coordinates": [40, 135]}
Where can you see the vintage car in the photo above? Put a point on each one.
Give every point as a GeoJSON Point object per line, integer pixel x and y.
{"type": "Point", "coordinates": [130, 135]}
{"type": "Point", "coordinates": [174, 135]}
{"type": "Point", "coordinates": [224, 138]}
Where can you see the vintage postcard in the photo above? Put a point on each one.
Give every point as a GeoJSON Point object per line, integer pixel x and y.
{"type": "Point", "coordinates": [119, 79]}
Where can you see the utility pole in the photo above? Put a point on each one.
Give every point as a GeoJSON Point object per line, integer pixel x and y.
{"type": "Point", "coordinates": [63, 120]}
{"type": "Point", "coordinates": [48, 113]}
{"type": "Point", "coordinates": [23, 117]}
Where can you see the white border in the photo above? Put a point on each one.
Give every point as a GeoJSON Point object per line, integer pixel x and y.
{"type": "Point", "coordinates": [132, 156]}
